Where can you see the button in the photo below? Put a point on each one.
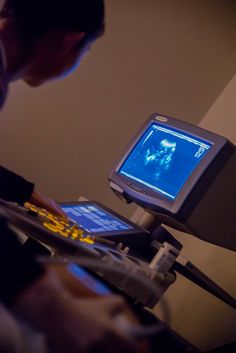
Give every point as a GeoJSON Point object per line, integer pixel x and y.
{"type": "Point", "coordinates": [136, 188]}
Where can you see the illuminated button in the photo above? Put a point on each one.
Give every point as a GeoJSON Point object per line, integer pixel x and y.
{"type": "Point", "coordinates": [42, 213]}
{"type": "Point", "coordinates": [64, 233]}
{"type": "Point", "coordinates": [66, 224]}
{"type": "Point", "coordinates": [51, 227]}
{"type": "Point", "coordinates": [87, 240]}
{"type": "Point", "coordinates": [59, 225]}
{"type": "Point", "coordinates": [50, 216]}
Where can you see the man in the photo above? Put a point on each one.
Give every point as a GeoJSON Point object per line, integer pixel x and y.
{"type": "Point", "coordinates": [41, 40]}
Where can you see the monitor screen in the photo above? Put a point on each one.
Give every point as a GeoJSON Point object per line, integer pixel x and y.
{"type": "Point", "coordinates": [164, 158]}
{"type": "Point", "coordinates": [94, 219]}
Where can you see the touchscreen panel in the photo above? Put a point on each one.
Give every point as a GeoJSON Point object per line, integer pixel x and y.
{"type": "Point", "coordinates": [94, 219]}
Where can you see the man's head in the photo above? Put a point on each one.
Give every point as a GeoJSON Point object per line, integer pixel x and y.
{"type": "Point", "coordinates": [54, 33]}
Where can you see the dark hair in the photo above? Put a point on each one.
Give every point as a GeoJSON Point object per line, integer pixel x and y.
{"type": "Point", "coordinates": [35, 17]}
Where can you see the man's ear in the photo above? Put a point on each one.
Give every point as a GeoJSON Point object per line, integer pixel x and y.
{"type": "Point", "coordinates": [72, 39]}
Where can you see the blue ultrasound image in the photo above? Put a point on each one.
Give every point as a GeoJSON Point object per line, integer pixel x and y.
{"type": "Point", "coordinates": [159, 159]}
{"type": "Point", "coordinates": [164, 158]}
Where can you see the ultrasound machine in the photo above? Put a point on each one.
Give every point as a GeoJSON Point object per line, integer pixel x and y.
{"type": "Point", "coordinates": [182, 176]}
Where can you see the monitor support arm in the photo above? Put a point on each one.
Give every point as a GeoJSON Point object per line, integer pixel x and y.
{"type": "Point", "coordinates": [188, 270]}
{"type": "Point", "coordinates": [165, 255]}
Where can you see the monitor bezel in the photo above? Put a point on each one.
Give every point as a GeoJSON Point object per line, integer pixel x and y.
{"type": "Point", "coordinates": [153, 200]}
{"type": "Point", "coordinates": [136, 230]}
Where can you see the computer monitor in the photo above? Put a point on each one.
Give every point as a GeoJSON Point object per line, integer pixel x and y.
{"type": "Point", "coordinates": [172, 169]}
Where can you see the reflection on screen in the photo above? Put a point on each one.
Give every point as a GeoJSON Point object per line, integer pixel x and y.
{"type": "Point", "coordinates": [164, 158]}
{"type": "Point", "coordinates": [94, 219]}
{"type": "Point", "coordinates": [88, 280]}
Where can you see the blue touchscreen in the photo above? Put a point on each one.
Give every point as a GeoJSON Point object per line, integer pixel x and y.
{"type": "Point", "coordinates": [94, 219]}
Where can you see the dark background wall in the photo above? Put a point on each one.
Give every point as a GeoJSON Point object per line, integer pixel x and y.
{"type": "Point", "coordinates": [170, 56]}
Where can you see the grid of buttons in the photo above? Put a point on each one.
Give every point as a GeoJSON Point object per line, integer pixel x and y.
{"type": "Point", "coordinates": [93, 219]}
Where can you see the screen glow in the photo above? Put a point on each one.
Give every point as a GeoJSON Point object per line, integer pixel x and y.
{"type": "Point", "coordinates": [94, 219]}
{"type": "Point", "coordinates": [164, 158]}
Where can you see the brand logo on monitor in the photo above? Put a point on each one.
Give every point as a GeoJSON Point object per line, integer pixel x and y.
{"type": "Point", "coordinates": [161, 118]}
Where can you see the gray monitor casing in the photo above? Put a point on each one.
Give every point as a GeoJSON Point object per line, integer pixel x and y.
{"type": "Point", "coordinates": [206, 204]}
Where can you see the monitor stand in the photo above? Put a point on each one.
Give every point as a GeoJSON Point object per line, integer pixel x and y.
{"type": "Point", "coordinates": [165, 255]}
